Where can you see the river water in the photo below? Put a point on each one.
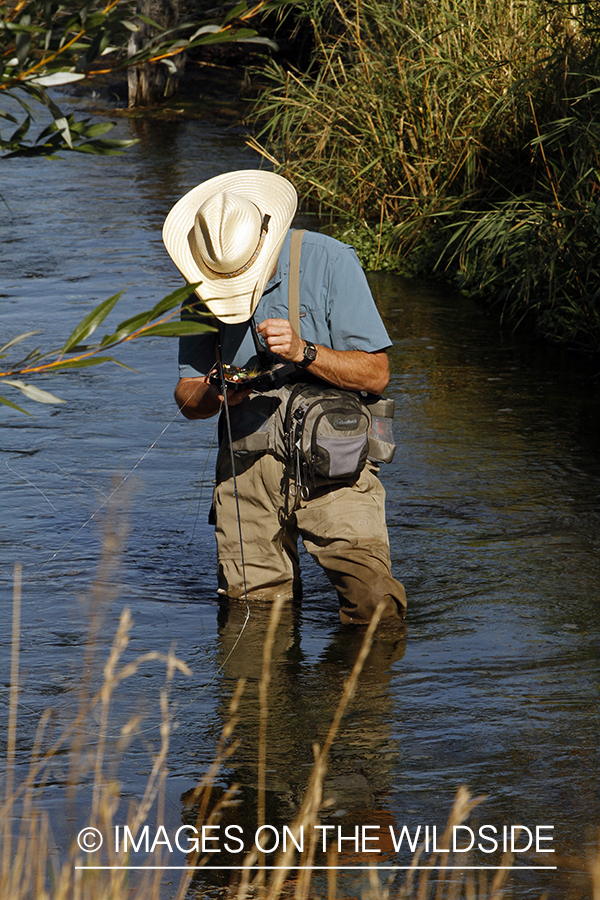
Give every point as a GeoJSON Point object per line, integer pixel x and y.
{"type": "Point", "coordinates": [494, 528]}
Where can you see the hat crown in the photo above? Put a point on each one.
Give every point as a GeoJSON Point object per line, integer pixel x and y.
{"type": "Point", "coordinates": [230, 246]}
{"type": "Point", "coordinates": [227, 230]}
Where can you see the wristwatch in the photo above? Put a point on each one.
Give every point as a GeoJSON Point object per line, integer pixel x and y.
{"type": "Point", "coordinates": [310, 354]}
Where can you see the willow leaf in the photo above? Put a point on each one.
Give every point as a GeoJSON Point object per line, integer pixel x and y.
{"type": "Point", "coordinates": [33, 356]}
{"type": "Point", "coordinates": [56, 78]}
{"type": "Point", "coordinates": [88, 325]}
{"type": "Point", "coordinates": [126, 328]}
{"type": "Point", "coordinates": [235, 12]}
{"type": "Point", "coordinates": [21, 131]}
{"type": "Point", "coordinates": [90, 361]}
{"type": "Point", "coordinates": [18, 339]}
{"type": "Point", "coordinates": [14, 405]}
{"type": "Point", "coordinates": [62, 124]}
{"type": "Point", "coordinates": [33, 392]}
{"type": "Point", "coordinates": [205, 29]}
{"type": "Point", "coordinates": [174, 299]}
{"type": "Point", "coordinates": [138, 321]}
{"type": "Point", "coordinates": [221, 37]}
{"type": "Point", "coordinates": [267, 42]}
{"type": "Point", "coordinates": [177, 329]}
{"type": "Point", "coordinates": [148, 21]}
{"type": "Point", "coordinates": [93, 131]}
{"type": "Point", "coordinates": [101, 148]}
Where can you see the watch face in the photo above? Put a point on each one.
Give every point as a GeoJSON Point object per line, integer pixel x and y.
{"type": "Point", "coordinates": [310, 352]}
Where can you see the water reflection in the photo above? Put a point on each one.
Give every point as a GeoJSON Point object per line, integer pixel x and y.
{"type": "Point", "coordinates": [303, 695]}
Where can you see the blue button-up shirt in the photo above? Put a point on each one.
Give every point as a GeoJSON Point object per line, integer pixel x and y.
{"type": "Point", "coordinates": [336, 309]}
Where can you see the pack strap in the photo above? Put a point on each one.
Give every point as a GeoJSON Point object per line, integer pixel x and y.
{"type": "Point", "coordinates": [294, 279]}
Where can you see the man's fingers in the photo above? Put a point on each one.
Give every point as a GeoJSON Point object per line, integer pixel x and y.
{"type": "Point", "coordinates": [236, 396]}
{"type": "Point", "coordinates": [277, 331]}
{"type": "Point", "coordinates": [280, 338]}
{"type": "Point", "coordinates": [272, 327]}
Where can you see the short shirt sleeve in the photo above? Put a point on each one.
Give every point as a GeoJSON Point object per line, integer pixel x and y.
{"type": "Point", "coordinates": [197, 354]}
{"type": "Point", "coordinates": [353, 318]}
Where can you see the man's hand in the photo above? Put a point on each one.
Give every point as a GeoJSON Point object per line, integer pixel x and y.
{"type": "Point", "coordinates": [351, 370]}
{"type": "Point", "coordinates": [198, 399]}
{"type": "Point", "coordinates": [281, 339]}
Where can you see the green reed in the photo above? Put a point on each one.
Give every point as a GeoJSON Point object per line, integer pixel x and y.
{"type": "Point", "coordinates": [453, 136]}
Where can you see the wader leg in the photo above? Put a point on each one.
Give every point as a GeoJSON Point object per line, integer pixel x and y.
{"type": "Point", "coordinates": [270, 551]}
{"type": "Point", "coordinates": [344, 530]}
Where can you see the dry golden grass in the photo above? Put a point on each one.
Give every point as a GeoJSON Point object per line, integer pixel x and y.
{"type": "Point", "coordinates": [32, 870]}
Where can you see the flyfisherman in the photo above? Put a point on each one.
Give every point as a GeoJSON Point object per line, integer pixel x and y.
{"type": "Point", "coordinates": [232, 234]}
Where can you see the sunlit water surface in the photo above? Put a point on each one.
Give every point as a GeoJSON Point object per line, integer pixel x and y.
{"type": "Point", "coordinates": [493, 518]}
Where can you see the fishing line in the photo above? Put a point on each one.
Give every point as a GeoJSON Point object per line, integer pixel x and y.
{"type": "Point", "coordinates": [193, 535]}
{"type": "Point", "coordinates": [99, 508]}
{"type": "Point", "coordinates": [235, 490]}
{"type": "Point", "coordinates": [237, 509]}
{"type": "Point", "coordinates": [225, 409]}
{"type": "Point", "coordinates": [78, 478]}
{"type": "Point", "coordinates": [29, 709]}
{"type": "Point", "coordinates": [39, 490]}
{"type": "Point", "coordinates": [199, 487]}
{"type": "Point", "coordinates": [108, 498]}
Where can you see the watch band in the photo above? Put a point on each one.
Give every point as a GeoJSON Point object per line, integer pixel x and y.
{"type": "Point", "coordinates": [310, 354]}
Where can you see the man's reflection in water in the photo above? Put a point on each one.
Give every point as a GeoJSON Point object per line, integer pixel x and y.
{"type": "Point", "coordinates": [302, 699]}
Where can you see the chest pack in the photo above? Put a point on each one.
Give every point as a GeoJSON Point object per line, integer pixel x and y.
{"type": "Point", "coordinates": [327, 432]}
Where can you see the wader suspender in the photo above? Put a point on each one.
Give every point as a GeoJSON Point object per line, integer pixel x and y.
{"type": "Point", "coordinates": [294, 317]}
{"type": "Point", "coordinates": [293, 296]}
{"type": "Point", "coordinates": [294, 280]}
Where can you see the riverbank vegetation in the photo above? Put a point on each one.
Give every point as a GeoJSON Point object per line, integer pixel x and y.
{"type": "Point", "coordinates": [50, 45]}
{"type": "Point", "coordinates": [455, 138]}
{"type": "Point", "coordinates": [162, 320]}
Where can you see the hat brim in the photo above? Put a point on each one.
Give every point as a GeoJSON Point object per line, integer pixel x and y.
{"type": "Point", "coordinates": [232, 299]}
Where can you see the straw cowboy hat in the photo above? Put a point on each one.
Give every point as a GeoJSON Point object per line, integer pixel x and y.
{"type": "Point", "coordinates": [227, 234]}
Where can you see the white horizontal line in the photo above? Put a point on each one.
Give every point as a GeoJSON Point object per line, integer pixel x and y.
{"type": "Point", "coordinates": [315, 868]}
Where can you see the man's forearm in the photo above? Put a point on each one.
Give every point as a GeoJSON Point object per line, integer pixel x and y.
{"type": "Point", "coordinates": [352, 370]}
{"type": "Point", "coordinates": [196, 398]}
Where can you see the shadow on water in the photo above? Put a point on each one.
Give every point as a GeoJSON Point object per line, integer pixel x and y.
{"type": "Point", "coordinates": [493, 519]}
{"type": "Point", "coordinates": [303, 695]}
